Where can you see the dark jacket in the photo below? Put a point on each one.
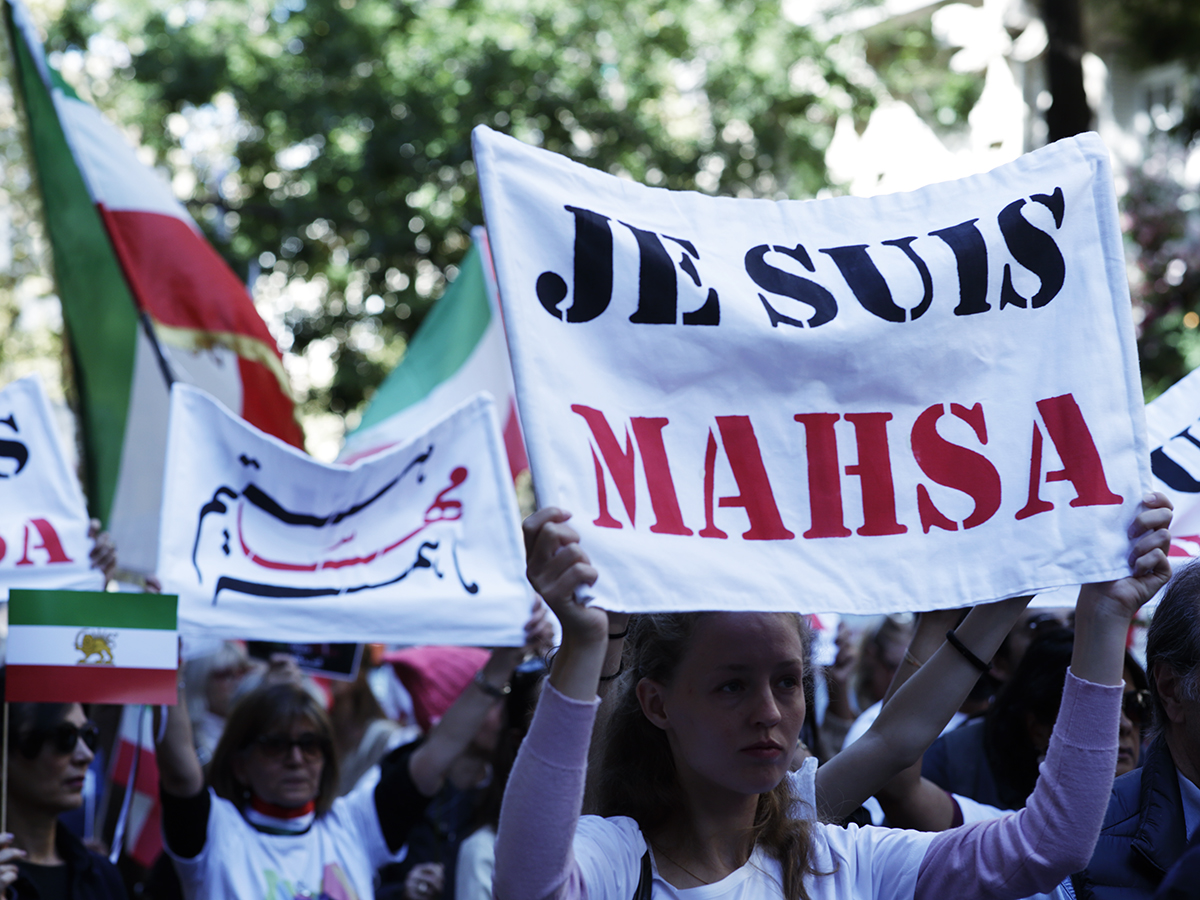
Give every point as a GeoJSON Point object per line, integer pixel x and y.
{"type": "Point", "coordinates": [1143, 832]}
{"type": "Point", "coordinates": [958, 762]}
{"type": "Point", "coordinates": [90, 875]}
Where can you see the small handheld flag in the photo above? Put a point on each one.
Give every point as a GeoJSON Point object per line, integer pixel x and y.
{"type": "Point", "coordinates": [91, 647]}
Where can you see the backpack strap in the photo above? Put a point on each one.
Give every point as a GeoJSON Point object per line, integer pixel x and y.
{"type": "Point", "coordinates": [644, 882]}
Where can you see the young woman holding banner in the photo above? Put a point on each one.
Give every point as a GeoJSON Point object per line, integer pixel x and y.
{"type": "Point", "coordinates": [270, 826]}
{"type": "Point", "coordinates": [693, 787]}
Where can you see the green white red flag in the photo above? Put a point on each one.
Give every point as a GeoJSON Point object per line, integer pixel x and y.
{"type": "Point", "coordinates": [146, 301]}
{"type": "Point", "coordinates": [91, 647]}
{"type": "Point", "coordinates": [458, 351]}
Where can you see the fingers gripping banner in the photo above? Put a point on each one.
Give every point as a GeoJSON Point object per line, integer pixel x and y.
{"type": "Point", "coordinates": [44, 541]}
{"type": "Point", "coordinates": [846, 405]}
{"type": "Point", "coordinates": [418, 545]}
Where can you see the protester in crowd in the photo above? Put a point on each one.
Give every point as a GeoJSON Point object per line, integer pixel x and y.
{"type": "Point", "coordinates": [449, 817]}
{"type": "Point", "coordinates": [272, 819]}
{"type": "Point", "coordinates": [840, 710]}
{"type": "Point", "coordinates": [1155, 808]}
{"type": "Point", "coordinates": [911, 801]}
{"type": "Point", "coordinates": [362, 733]}
{"type": "Point", "coordinates": [994, 759]}
{"type": "Point", "coordinates": [477, 854]}
{"type": "Point", "coordinates": [210, 682]}
{"type": "Point", "coordinates": [50, 746]}
{"type": "Point", "coordinates": [703, 731]}
{"type": "Point", "coordinates": [886, 643]}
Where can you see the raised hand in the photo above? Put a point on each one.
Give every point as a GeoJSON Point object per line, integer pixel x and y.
{"type": "Point", "coordinates": [556, 566]}
{"type": "Point", "coordinates": [1150, 569]}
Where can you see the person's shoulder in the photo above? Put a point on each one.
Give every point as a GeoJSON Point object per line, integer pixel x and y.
{"type": "Point", "coordinates": [99, 878]}
{"type": "Point", "coordinates": [1124, 804]}
{"type": "Point", "coordinates": [612, 831]}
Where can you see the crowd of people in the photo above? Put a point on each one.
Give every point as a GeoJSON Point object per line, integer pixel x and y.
{"type": "Point", "coordinates": [700, 756]}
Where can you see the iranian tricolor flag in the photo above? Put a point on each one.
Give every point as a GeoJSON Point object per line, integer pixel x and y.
{"type": "Point", "coordinates": [91, 647]}
{"type": "Point", "coordinates": [458, 351]}
{"type": "Point", "coordinates": [145, 299]}
{"type": "Point", "coordinates": [134, 761]}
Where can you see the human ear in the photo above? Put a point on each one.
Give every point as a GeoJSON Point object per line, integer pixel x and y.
{"type": "Point", "coordinates": [650, 697]}
{"type": "Point", "coordinates": [1167, 683]}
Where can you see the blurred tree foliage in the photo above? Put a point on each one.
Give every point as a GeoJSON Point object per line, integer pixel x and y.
{"type": "Point", "coordinates": [1162, 207]}
{"type": "Point", "coordinates": [1154, 32]}
{"type": "Point", "coordinates": [915, 67]}
{"type": "Point", "coordinates": [349, 167]}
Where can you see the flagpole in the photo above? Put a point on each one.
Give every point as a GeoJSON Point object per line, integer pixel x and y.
{"type": "Point", "coordinates": [4, 776]}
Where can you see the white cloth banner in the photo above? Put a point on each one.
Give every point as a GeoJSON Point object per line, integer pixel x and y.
{"type": "Point", "coordinates": [417, 545]}
{"type": "Point", "coordinates": [44, 543]}
{"type": "Point", "coordinates": [1173, 428]}
{"type": "Point", "coordinates": [847, 405]}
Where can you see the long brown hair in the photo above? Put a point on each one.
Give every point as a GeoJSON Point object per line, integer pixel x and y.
{"type": "Point", "coordinates": [260, 712]}
{"type": "Point", "coordinates": [637, 776]}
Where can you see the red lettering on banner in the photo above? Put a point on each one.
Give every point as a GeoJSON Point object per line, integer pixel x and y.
{"type": "Point", "coordinates": [955, 467]}
{"type": "Point", "coordinates": [3, 548]}
{"type": "Point", "coordinates": [756, 497]}
{"type": "Point", "coordinates": [942, 461]}
{"type": "Point", "coordinates": [622, 466]}
{"type": "Point", "coordinates": [1081, 461]}
{"type": "Point", "coordinates": [824, 479]}
{"type": "Point", "coordinates": [710, 530]}
{"type": "Point", "coordinates": [874, 469]}
{"type": "Point", "coordinates": [50, 543]}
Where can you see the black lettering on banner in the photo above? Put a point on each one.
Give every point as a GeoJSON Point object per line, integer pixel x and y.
{"type": "Point", "coordinates": [970, 253]}
{"type": "Point", "coordinates": [14, 450]}
{"type": "Point", "coordinates": [871, 288]}
{"type": "Point", "coordinates": [1034, 249]}
{"type": "Point", "coordinates": [1171, 473]}
{"type": "Point", "coordinates": [785, 284]}
{"type": "Point", "coordinates": [593, 271]}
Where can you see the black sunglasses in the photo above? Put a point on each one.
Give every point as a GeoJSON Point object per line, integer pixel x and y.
{"type": "Point", "coordinates": [1137, 706]}
{"type": "Point", "coordinates": [276, 747]}
{"type": "Point", "coordinates": [65, 736]}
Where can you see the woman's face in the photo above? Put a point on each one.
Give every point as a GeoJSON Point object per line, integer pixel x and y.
{"type": "Point", "coordinates": [733, 711]}
{"type": "Point", "coordinates": [53, 780]}
{"type": "Point", "coordinates": [1129, 746]}
{"type": "Point", "coordinates": [283, 766]}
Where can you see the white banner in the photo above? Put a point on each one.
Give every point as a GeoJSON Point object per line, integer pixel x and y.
{"type": "Point", "coordinates": [847, 405]}
{"type": "Point", "coordinates": [44, 541]}
{"type": "Point", "coordinates": [417, 545]}
{"type": "Point", "coordinates": [1173, 428]}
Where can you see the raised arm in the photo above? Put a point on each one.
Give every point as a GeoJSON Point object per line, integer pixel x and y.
{"type": "Point", "coordinates": [179, 771]}
{"type": "Point", "coordinates": [908, 800]}
{"type": "Point", "coordinates": [1032, 850]}
{"type": "Point", "coordinates": [534, 843]}
{"type": "Point", "coordinates": [447, 739]}
{"type": "Point", "coordinates": [915, 715]}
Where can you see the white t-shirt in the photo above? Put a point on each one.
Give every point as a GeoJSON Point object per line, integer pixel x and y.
{"type": "Point", "coordinates": [476, 867]}
{"type": "Point", "coordinates": [881, 863]}
{"type": "Point", "coordinates": [337, 856]}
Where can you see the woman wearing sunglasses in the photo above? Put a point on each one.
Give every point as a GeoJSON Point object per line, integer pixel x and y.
{"type": "Point", "coordinates": [271, 824]}
{"type": "Point", "coordinates": [50, 746]}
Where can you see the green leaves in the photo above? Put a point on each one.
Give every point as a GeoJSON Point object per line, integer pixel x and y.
{"type": "Point", "coordinates": [349, 163]}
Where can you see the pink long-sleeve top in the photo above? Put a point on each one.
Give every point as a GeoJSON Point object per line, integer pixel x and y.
{"type": "Point", "coordinates": [546, 851]}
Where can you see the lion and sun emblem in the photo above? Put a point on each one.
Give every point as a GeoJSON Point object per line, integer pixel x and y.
{"type": "Point", "coordinates": [92, 642]}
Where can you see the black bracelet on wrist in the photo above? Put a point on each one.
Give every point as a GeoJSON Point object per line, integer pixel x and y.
{"type": "Point", "coordinates": [970, 657]}
{"type": "Point", "coordinates": [617, 637]}
{"type": "Point", "coordinates": [497, 693]}
{"type": "Point", "coordinates": [620, 669]}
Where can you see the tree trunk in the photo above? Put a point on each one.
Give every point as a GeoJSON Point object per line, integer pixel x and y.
{"type": "Point", "coordinates": [1069, 112]}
